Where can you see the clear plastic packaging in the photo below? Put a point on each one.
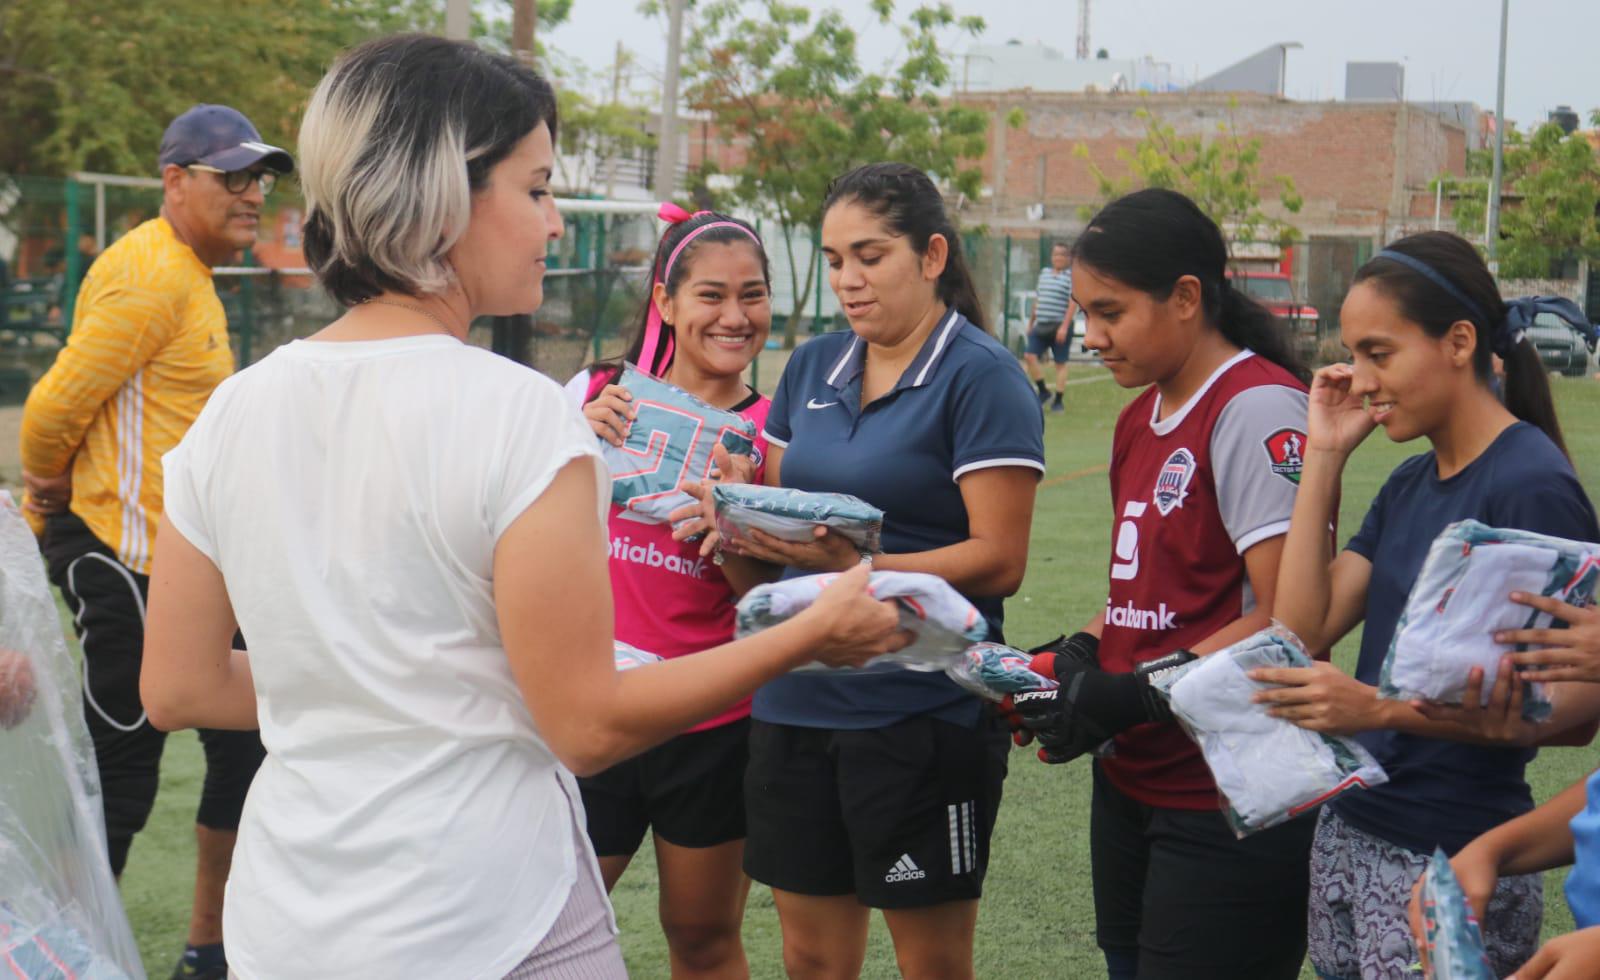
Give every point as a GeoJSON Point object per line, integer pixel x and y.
{"type": "Point", "coordinates": [57, 896]}
{"type": "Point", "coordinates": [1461, 598]}
{"type": "Point", "coordinates": [790, 515]}
{"type": "Point", "coordinates": [1267, 770]}
{"type": "Point", "coordinates": [993, 670]}
{"type": "Point", "coordinates": [629, 657]}
{"type": "Point", "coordinates": [1452, 943]}
{"type": "Point", "coordinates": [944, 622]}
{"type": "Point", "coordinates": [669, 444]}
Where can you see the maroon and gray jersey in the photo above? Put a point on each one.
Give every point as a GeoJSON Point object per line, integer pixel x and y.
{"type": "Point", "coordinates": [1192, 493]}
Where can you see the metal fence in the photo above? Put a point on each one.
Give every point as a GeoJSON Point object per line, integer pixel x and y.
{"type": "Point", "coordinates": [51, 231]}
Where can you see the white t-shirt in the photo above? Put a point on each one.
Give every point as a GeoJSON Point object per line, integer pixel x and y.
{"type": "Point", "coordinates": [408, 820]}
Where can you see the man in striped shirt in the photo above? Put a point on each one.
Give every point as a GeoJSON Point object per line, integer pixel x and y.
{"type": "Point", "coordinates": [1051, 325]}
{"type": "Point", "coordinates": [149, 343]}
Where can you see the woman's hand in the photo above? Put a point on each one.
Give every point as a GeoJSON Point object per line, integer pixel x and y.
{"type": "Point", "coordinates": [1319, 698]}
{"type": "Point", "coordinates": [857, 626]}
{"type": "Point", "coordinates": [1477, 869]}
{"type": "Point", "coordinates": [610, 415]}
{"type": "Point", "coordinates": [1572, 654]}
{"type": "Point", "coordinates": [1500, 721]}
{"type": "Point", "coordinates": [700, 517]}
{"type": "Point", "coordinates": [827, 551]}
{"type": "Point", "coordinates": [1569, 957]}
{"type": "Point", "coordinates": [17, 688]}
{"type": "Point", "coordinates": [1337, 419]}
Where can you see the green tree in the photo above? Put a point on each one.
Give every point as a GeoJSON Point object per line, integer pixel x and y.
{"type": "Point", "coordinates": [790, 86]}
{"type": "Point", "coordinates": [597, 124]}
{"type": "Point", "coordinates": [91, 86]}
{"type": "Point", "coordinates": [1549, 216]}
{"type": "Point", "coordinates": [1221, 173]}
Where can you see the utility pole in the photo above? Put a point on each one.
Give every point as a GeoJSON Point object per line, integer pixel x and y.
{"type": "Point", "coordinates": [1083, 30]}
{"type": "Point", "coordinates": [667, 152]}
{"type": "Point", "coordinates": [512, 336]}
{"type": "Point", "coordinates": [1493, 233]}
{"type": "Point", "coordinates": [616, 97]}
{"type": "Point", "coordinates": [524, 21]}
{"type": "Point", "coordinates": [458, 19]}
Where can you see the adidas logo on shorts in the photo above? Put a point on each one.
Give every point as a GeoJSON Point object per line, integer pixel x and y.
{"type": "Point", "coordinates": [904, 869]}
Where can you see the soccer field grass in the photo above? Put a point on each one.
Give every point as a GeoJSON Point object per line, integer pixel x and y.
{"type": "Point", "coordinates": [1037, 917]}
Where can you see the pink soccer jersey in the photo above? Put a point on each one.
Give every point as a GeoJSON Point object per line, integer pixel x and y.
{"type": "Point", "coordinates": [669, 600]}
{"type": "Point", "coordinates": [1192, 492]}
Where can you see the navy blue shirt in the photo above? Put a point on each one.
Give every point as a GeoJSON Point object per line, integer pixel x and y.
{"type": "Point", "coordinates": [1443, 793]}
{"type": "Point", "coordinates": [963, 404]}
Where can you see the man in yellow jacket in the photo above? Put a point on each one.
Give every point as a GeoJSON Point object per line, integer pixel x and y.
{"type": "Point", "coordinates": [149, 343]}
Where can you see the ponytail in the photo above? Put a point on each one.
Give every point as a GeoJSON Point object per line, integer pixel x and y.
{"type": "Point", "coordinates": [1249, 325]}
{"type": "Point", "coordinates": [1528, 395]}
{"type": "Point", "coordinates": [956, 288]}
{"type": "Point", "coordinates": [1438, 279]}
{"type": "Point", "coordinates": [1152, 238]}
{"type": "Point", "coordinates": [909, 203]}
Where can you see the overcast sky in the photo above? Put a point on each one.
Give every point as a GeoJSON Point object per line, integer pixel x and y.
{"type": "Point", "coordinates": [1448, 47]}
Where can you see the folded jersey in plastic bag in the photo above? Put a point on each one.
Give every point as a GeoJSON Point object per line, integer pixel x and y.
{"type": "Point", "coordinates": [1267, 770]}
{"type": "Point", "coordinates": [669, 444]}
{"type": "Point", "coordinates": [31, 951]}
{"type": "Point", "coordinates": [944, 622]}
{"type": "Point", "coordinates": [1460, 598]}
{"type": "Point", "coordinates": [790, 515]}
{"type": "Point", "coordinates": [1451, 938]}
{"type": "Point", "coordinates": [629, 657]}
{"type": "Point", "coordinates": [993, 670]}
{"type": "Point", "coordinates": [55, 876]}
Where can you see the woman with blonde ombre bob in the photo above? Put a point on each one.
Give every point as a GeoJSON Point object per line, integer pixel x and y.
{"type": "Point", "coordinates": [410, 531]}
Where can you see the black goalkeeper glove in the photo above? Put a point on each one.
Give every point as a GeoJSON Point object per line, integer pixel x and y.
{"type": "Point", "coordinates": [1079, 647]}
{"type": "Point", "coordinates": [1092, 706]}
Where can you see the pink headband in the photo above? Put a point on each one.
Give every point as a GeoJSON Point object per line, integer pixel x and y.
{"type": "Point", "coordinates": [658, 341]}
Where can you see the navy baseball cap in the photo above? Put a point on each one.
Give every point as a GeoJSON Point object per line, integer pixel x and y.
{"type": "Point", "coordinates": [220, 137]}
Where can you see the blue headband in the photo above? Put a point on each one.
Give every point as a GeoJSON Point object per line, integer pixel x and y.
{"type": "Point", "coordinates": [1507, 332]}
{"type": "Point", "coordinates": [1428, 272]}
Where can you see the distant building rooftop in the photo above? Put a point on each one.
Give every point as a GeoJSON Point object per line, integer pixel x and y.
{"type": "Point", "coordinates": [1016, 66]}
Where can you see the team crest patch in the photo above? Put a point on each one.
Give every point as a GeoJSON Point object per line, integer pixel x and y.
{"type": "Point", "coordinates": [1286, 453]}
{"type": "Point", "coordinates": [1172, 483]}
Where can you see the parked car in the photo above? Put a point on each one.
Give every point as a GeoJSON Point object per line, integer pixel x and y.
{"type": "Point", "coordinates": [1561, 346]}
{"type": "Point", "coordinates": [1274, 291]}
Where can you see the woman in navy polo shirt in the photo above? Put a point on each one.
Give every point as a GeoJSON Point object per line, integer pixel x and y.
{"type": "Point", "coordinates": [1421, 321]}
{"type": "Point", "coordinates": [880, 789]}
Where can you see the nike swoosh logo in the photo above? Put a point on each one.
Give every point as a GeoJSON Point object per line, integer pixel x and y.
{"type": "Point", "coordinates": [813, 403]}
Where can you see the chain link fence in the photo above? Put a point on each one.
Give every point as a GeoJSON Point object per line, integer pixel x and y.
{"type": "Point", "coordinates": [52, 230]}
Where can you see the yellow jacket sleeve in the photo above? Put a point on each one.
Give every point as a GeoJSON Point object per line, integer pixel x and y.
{"type": "Point", "coordinates": [117, 330]}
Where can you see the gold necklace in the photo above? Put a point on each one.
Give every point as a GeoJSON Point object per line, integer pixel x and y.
{"type": "Point", "coordinates": [413, 308]}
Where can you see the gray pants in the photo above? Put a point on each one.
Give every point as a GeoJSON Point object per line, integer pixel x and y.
{"type": "Point", "coordinates": [1360, 890]}
{"type": "Point", "coordinates": [580, 944]}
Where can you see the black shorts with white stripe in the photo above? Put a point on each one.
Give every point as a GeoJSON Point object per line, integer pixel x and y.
{"type": "Point", "coordinates": [899, 816]}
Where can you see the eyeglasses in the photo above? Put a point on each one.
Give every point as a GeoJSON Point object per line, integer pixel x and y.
{"type": "Point", "coordinates": [239, 181]}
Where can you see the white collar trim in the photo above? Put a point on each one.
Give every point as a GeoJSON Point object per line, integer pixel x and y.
{"type": "Point", "coordinates": [1162, 426]}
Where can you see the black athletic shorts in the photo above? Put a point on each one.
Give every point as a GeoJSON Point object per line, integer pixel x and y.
{"type": "Point", "coordinates": [107, 600]}
{"type": "Point", "coordinates": [1192, 901]}
{"type": "Point", "coordinates": [690, 789]}
{"type": "Point", "coordinates": [898, 816]}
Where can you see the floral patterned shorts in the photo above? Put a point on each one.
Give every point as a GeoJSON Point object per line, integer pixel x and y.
{"type": "Point", "coordinates": [1360, 889]}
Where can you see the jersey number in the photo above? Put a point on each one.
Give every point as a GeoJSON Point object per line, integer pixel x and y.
{"type": "Point", "coordinates": [1126, 562]}
{"type": "Point", "coordinates": [667, 446]}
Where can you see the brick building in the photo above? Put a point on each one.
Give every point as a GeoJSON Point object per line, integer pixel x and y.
{"type": "Point", "coordinates": [1363, 168]}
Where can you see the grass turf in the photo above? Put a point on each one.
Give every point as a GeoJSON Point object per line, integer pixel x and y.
{"type": "Point", "coordinates": [1037, 916]}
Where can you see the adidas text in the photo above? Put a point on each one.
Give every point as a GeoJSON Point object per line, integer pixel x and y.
{"type": "Point", "coordinates": [904, 869]}
{"type": "Point", "coordinates": [1141, 619]}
